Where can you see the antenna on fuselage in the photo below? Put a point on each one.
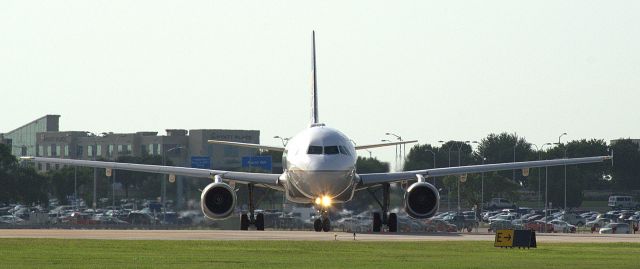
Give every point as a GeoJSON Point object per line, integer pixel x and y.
{"type": "Point", "coordinates": [314, 83]}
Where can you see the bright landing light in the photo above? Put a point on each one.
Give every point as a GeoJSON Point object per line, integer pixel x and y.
{"type": "Point", "coordinates": [325, 201]}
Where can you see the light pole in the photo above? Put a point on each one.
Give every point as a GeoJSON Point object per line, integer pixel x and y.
{"type": "Point", "coordinates": [539, 157]}
{"type": "Point", "coordinates": [395, 162]}
{"type": "Point", "coordinates": [481, 177]}
{"type": "Point", "coordinates": [565, 173]}
{"type": "Point", "coordinates": [546, 197]}
{"type": "Point", "coordinates": [460, 143]}
{"type": "Point", "coordinates": [434, 165]}
{"type": "Point", "coordinates": [95, 170]}
{"type": "Point", "coordinates": [401, 147]}
{"type": "Point", "coordinates": [164, 181]}
{"type": "Point", "coordinates": [284, 140]}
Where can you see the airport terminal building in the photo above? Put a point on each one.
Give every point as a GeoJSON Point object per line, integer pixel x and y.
{"type": "Point", "coordinates": [189, 148]}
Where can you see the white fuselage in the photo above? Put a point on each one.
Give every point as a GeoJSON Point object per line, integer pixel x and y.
{"type": "Point", "coordinates": [319, 162]}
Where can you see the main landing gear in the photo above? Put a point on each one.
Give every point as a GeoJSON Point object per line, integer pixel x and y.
{"type": "Point", "coordinates": [323, 223]}
{"type": "Point", "coordinates": [384, 218]}
{"type": "Point", "coordinates": [252, 218]}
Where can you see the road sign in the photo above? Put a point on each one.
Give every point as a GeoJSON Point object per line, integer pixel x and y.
{"type": "Point", "coordinates": [203, 162]}
{"type": "Point", "coordinates": [525, 172]}
{"type": "Point", "coordinates": [504, 238]}
{"type": "Point", "coordinates": [463, 178]}
{"type": "Point", "coordinates": [107, 172]}
{"type": "Point", "coordinates": [262, 162]}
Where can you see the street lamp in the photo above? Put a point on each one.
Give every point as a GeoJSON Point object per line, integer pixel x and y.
{"type": "Point", "coordinates": [164, 182]}
{"type": "Point", "coordinates": [460, 143]}
{"type": "Point", "coordinates": [434, 165]}
{"type": "Point", "coordinates": [95, 170]}
{"type": "Point", "coordinates": [565, 173]}
{"type": "Point", "coordinates": [539, 157]}
{"type": "Point", "coordinates": [284, 140]}
{"type": "Point", "coordinates": [401, 147]}
{"type": "Point", "coordinates": [481, 177]}
{"type": "Point", "coordinates": [395, 162]}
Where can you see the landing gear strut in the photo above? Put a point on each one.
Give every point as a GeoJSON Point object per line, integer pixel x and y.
{"type": "Point", "coordinates": [390, 219]}
{"type": "Point", "coordinates": [323, 223]}
{"type": "Point", "coordinates": [252, 218]}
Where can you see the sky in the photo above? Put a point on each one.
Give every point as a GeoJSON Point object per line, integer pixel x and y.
{"type": "Point", "coordinates": [425, 70]}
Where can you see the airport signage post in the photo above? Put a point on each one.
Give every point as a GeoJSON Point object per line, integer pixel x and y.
{"type": "Point", "coordinates": [515, 238]}
{"type": "Point", "coordinates": [203, 162]}
{"type": "Point", "coordinates": [262, 162]}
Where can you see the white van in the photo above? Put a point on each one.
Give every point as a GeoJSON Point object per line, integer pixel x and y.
{"type": "Point", "coordinates": [623, 202]}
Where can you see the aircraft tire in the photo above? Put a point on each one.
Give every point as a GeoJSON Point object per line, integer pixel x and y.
{"type": "Point", "coordinates": [260, 222]}
{"type": "Point", "coordinates": [377, 222]}
{"type": "Point", "coordinates": [393, 223]}
{"type": "Point", "coordinates": [317, 225]}
{"type": "Point", "coordinates": [326, 225]}
{"type": "Point", "coordinates": [244, 222]}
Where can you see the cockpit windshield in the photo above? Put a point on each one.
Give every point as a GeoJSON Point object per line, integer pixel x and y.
{"type": "Point", "coordinates": [331, 150]}
{"type": "Point", "coordinates": [314, 150]}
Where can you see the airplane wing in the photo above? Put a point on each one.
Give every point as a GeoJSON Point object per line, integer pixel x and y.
{"type": "Point", "coordinates": [246, 145]}
{"type": "Point", "coordinates": [385, 144]}
{"type": "Point", "coordinates": [378, 178]}
{"type": "Point", "coordinates": [241, 177]}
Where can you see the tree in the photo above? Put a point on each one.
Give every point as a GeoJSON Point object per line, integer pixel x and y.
{"type": "Point", "coordinates": [626, 165]}
{"type": "Point", "coordinates": [20, 183]}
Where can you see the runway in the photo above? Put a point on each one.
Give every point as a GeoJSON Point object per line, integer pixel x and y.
{"type": "Point", "coordinates": [296, 235]}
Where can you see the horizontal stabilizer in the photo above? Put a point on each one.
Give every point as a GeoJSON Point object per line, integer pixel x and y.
{"type": "Point", "coordinates": [385, 144]}
{"type": "Point", "coordinates": [245, 145]}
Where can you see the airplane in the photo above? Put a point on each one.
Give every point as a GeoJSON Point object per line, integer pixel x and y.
{"type": "Point", "coordinates": [319, 165]}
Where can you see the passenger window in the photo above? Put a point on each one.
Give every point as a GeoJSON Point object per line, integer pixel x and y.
{"type": "Point", "coordinates": [331, 150]}
{"type": "Point", "coordinates": [314, 150]}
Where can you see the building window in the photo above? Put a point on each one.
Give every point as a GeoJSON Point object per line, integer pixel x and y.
{"type": "Point", "coordinates": [79, 152]}
{"type": "Point", "coordinates": [99, 150]}
{"type": "Point", "coordinates": [66, 150]}
{"type": "Point", "coordinates": [110, 150]}
{"type": "Point", "coordinates": [119, 149]}
{"type": "Point", "coordinates": [89, 151]}
{"type": "Point", "coordinates": [49, 150]}
{"type": "Point", "coordinates": [58, 152]}
{"type": "Point", "coordinates": [40, 151]}
{"type": "Point", "coordinates": [144, 150]}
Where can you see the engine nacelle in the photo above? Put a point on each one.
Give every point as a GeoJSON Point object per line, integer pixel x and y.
{"type": "Point", "coordinates": [218, 200]}
{"type": "Point", "coordinates": [421, 200]}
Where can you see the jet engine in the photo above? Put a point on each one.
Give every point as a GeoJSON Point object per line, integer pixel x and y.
{"type": "Point", "coordinates": [421, 200]}
{"type": "Point", "coordinates": [218, 200]}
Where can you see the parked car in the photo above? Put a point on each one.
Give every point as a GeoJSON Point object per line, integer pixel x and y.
{"type": "Point", "coordinates": [597, 223]}
{"type": "Point", "coordinates": [620, 202]}
{"type": "Point", "coordinates": [501, 224]}
{"type": "Point", "coordinates": [497, 203]}
{"type": "Point", "coordinates": [573, 219]}
{"type": "Point", "coordinates": [615, 228]}
{"type": "Point", "coordinates": [539, 226]}
{"type": "Point", "coordinates": [563, 226]}
{"type": "Point", "coordinates": [437, 225]}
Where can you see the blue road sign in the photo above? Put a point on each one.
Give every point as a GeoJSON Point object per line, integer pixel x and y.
{"type": "Point", "coordinates": [262, 162]}
{"type": "Point", "coordinates": [203, 162]}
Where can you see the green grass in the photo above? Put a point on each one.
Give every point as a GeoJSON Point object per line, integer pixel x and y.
{"type": "Point", "coordinates": [66, 253]}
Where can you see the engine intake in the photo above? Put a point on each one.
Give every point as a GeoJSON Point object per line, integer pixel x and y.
{"type": "Point", "coordinates": [218, 200]}
{"type": "Point", "coordinates": [421, 200]}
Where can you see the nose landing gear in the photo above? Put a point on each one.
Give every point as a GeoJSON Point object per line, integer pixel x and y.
{"type": "Point", "coordinates": [323, 223]}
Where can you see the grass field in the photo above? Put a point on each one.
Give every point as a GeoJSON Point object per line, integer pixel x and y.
{"type": "Point", "coordinates": [63, 253]}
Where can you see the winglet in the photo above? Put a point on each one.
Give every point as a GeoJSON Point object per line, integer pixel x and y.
{"type": "Point", "coordinates": [314, 85]}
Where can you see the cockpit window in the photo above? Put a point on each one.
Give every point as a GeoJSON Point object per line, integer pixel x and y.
{"type": "Point", "coordinates": [314, 150]}
{"type": "Point", "coordinates": [344, 150]}
{"type": "Point", "coordinates": [331, 150]}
